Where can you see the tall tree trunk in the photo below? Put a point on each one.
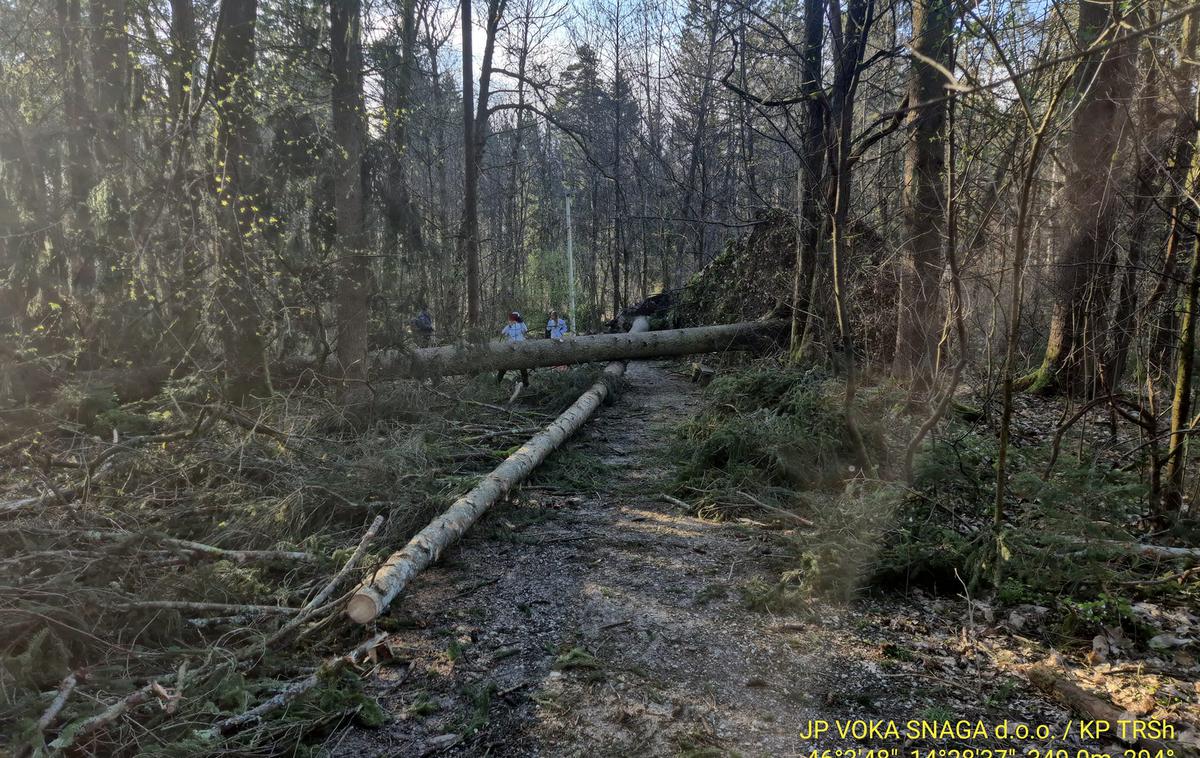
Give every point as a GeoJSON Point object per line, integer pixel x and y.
{"type": "Point", "coordinates": [469, 233]}
{"type": "Point", "coordinates": [80, 171]}
{"type": "Point", "coordinates": [113, 145]}
{"type": "Point", "coordinates": [110, 63]}
{"type": "Point", "coordinates": [619, 254]}
{"type": "Point", "coordinates": [1185, 350]}
{"type": "Point", "coordinates": [233, 100]}
{"type": "Point", "coordinates": [182, 62]}
{"type": "Point", "coordinates": [692, 215]}
{"type": "Point", "coordinates": [179, 271]}
{"type": "Point", "coordinates": [1162, 331]}
{"type": "Point", "coordinates": [809, 181]}
{"type": "Point", "coordinates": [924, 197]}
{"type": "Point", "coordinates": [1080, 293]}
{"type": "Point", "coordinates": [475, 134]}
{"type": "Point", "coordinates": [1181, 404]}
{"type": "Point", "coordinates": [850, 36]}
{"type": "Point", "coordinates": [349, 127]}
{"type": "Point", "coordinates": [403, 221]}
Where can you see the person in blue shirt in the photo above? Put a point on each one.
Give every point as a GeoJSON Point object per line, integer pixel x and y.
{"type": "Point", "coordinates": [556, 327]}
{"type": "Point", "coordinates": [514, 331]}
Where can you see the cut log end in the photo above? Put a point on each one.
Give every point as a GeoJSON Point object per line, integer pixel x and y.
{"type": "Point", "coordinates": [364, 607]}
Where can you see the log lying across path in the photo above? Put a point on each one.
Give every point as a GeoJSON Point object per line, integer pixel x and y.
{"type": "Point", "coordinates": [374, 594]}
{"type": "Point", "coordinates": [496, 356]}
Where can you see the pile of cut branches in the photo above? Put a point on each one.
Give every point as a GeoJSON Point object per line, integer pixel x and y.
{"type": "Point", "coordinates": [172, 571]}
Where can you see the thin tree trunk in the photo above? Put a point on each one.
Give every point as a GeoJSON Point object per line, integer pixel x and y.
{"type": "Point", "coordinates": [469, 234]}
{"type": "Point", "coordinates": [809, 180]}
{"type": "Point", "coordinates": [692, 216]}
{"type": "Point", "coordinates": [349, 126]}
{"type": "Point", "coordinates": [183, 61]}
{"type": "Point", "coordinates": [1185, 353]}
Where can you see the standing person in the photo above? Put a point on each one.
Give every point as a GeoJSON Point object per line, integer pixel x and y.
{"type": "Point", "coordinates": [556, 327]}
{"type": "Point", "coordinates": [514, 331]}
{"type": "Point", "coordinates": [422, 327]}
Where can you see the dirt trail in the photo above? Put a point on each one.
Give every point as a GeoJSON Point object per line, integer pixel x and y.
{"type": "Point", "coordinates": [608, 623]}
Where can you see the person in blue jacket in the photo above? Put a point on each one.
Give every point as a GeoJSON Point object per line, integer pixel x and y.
{"type": "Point", "coordinates": [422, 327]}
{"type": "Point", "coordinates": [514, 331]}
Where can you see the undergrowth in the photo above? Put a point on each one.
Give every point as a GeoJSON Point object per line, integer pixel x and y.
{"type": "Point", "coordinates": [771, 442]}
{"type": "Point", "coordinates": [780, 433]}
{"type": "Point", "coordinates": [118, 488]}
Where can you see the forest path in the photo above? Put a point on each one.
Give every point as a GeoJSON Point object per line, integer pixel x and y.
{"type": "Point", "coordinates": [601, 622]}
{"type": "Point", "coordinates": [587, 617]}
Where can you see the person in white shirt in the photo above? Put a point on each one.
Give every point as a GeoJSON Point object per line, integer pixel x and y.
{"type": "Point", "coordinates": [556, 327]}
{"type": "Point", "coordinates": [514, 331]}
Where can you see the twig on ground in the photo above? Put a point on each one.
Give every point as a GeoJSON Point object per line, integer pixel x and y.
{"type": "Point", "coordinates": [197, 607]}
{"type": "Point", "coordinates": [676, 502]}
{"type": "Point", "coordinates": [51, 714]}
{"type": "Point", "coordinates": [776, 510]}
{"type": "Point", "coordinates": [296, 689]}
{"type": "Point", "coordinates": [312, 606]}
{"type": "Point", "coordinates": [108, 716]}
{"type": "Point", "coordinates": [240, 556]}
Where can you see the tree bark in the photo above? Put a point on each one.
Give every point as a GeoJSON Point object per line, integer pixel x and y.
{"type": "Point", "coordinates": [506, 356]}
{"type": "Point", "coordinates": [1185, 350]}
{"type": "Point", "coordinates": [373, 596]}
{"type": "Point", "coordinates": [349, 125]}
{"type": "Point", "coordinates": [182, 61]}
{"type": "Point", "coordinates": [1080, 288]}
{"type": "Point", "coordinates": [469, 235]}
{"type": "Point", "coordinates": [924, 197]}
{"type": "Point", "coordinates": [692, 213]}
{"type": "Point", "coordinates": [233, 100]}
{"type": "Point", "coordinates": [809, 180]}
{"type": "Point", "coordinates": [1185, 353]}
{"type": "Point", "coordinates": [110, 62]}
{"type": "Point", "coordinates": [80, 173]}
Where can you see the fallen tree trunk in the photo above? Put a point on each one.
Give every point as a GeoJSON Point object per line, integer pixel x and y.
{"type": "Point", "coordinates": [374, 594]}
{"type": "Point", "coordinates": [1155, 552]}
{"type": "Point", "coordinates": [1058, 685]}
{"type": "Point", "coordinates": [497, 356]}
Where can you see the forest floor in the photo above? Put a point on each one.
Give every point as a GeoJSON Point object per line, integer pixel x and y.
{"type": "Point", "coordinates": [608, 622]}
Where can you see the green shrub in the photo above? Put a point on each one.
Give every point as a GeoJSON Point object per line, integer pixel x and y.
{"type": "Point", "coordinates": [770, 427]}
{"type": "Point", "coordinates": [83, 403]}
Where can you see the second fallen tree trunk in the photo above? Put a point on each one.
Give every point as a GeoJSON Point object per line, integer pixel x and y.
{"type": "Point", "coordinates": [497, 356]}
{"type": "Point", "coordinates": [374, 594]}
{"type": "Point", "coordinates": [1153, 552]}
